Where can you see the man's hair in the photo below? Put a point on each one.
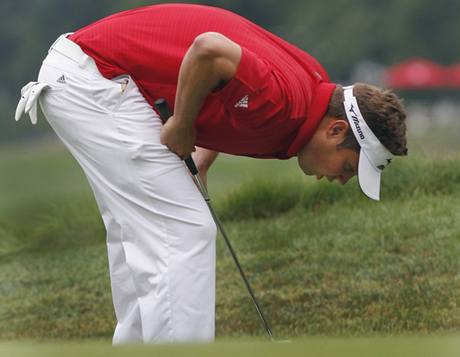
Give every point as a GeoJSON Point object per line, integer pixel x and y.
{"type": "Point", "coordinates": [384, 114]}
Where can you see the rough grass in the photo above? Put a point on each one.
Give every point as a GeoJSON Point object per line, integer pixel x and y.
{"type": "Point", "coordinates": [404, 181]}
{"type": "Point", "coordinates": [322, 259]}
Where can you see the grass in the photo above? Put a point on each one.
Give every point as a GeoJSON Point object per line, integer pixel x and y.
{"type": "Point", "coordinates": [318, 347]}
{"type": "Point", "coordinates": [323, 260]}
{"type": "Point", "coordinates": [339, 265]}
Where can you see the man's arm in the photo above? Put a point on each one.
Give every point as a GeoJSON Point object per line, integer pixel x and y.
{"type": "Point", "coordinates": [203, 159]}
{"type": "Point", "coordinates": [210, 62]}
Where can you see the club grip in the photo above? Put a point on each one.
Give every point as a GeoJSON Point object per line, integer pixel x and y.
{"type": "Point", "coordinates": [162, 106]}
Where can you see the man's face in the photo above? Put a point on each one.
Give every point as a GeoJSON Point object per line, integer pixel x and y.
{"type": "Point", "coordinates": [323, 158]}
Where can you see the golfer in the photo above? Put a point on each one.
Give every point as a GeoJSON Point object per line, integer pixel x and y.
{"type": "Point", "coordinates": [234, 88]}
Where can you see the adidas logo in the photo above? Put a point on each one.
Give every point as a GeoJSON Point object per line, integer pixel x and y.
{"type": "Point", "coordinates": [243, 102]}
{"type": "Point", "coordinates": [61, 79]}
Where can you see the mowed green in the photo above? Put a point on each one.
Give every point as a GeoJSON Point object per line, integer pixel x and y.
{"type": "Point", "coordinates": [446, 346]}
{"type": "Point", "coordinates": [322, 259]}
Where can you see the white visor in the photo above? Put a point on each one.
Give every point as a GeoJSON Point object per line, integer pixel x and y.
{"type": "Point", "coordinates": [373, 157]}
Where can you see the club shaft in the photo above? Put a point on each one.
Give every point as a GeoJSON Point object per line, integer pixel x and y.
{"type": "Point", "coordinates": [205, 195]}
{"type": "Point", "coordinates": [164, 112]}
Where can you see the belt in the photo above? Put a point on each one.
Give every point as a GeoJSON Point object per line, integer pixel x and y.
{"type": "Point", "coordinates": [71, 50]}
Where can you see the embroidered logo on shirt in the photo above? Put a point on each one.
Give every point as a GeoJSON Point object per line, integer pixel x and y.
{"type": "Point", "coordinates": [61, 79]}
{"type": "Point", "coordinates": [243, 102]}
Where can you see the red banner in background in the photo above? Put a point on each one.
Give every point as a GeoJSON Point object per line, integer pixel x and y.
{"type": "Point", "coordinates": [454, 75]}
{"type": "Point", "coordinates": [417, 73]}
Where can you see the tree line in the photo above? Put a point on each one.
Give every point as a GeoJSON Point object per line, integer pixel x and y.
{"type": "Point", "coordinates": [339, 33]}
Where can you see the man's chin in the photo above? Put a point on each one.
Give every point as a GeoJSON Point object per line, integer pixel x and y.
{"type": "Point", "coordinates": [308, 172]}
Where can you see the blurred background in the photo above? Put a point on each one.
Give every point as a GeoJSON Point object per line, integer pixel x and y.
{"type": "Point", "coordinates": [409, 45]}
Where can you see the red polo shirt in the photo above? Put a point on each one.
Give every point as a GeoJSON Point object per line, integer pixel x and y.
{"type": "Point", "coordinates": [269, 109]}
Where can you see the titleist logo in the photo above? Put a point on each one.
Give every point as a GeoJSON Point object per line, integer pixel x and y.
{"type": "Point", "coordinates": [356, 122]}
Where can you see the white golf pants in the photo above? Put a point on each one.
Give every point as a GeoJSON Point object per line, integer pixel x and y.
{"type": "Point", "coordinates": [160, 234]}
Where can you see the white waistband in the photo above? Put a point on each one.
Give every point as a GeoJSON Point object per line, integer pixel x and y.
{"type": "Point", "coordinates": [72, 51]}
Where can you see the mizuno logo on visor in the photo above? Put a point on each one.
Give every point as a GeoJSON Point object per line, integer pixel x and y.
{"type": "Point", "coordinates": [355, 119]}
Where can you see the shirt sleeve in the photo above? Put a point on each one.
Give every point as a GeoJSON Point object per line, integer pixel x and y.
{"type": "Point", "coordinates": [257, 94]}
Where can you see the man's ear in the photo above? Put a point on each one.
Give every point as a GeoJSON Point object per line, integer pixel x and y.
{"type": "Point", "coordinates": [337, 129]}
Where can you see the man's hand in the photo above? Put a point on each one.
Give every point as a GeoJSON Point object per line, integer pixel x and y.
{"type": "Point", "coordinates": [203, 159]}
{"type": "Point", "coordinates": [178, 137]}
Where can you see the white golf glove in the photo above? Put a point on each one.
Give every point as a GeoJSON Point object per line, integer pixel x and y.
{"type": "Point", "coordinates": [28, 102]}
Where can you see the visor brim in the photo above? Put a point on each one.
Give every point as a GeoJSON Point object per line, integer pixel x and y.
{"type": "Point", "coordinates": [368, 177]}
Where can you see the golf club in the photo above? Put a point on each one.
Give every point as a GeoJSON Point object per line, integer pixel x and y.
{"type": "Point", "coordinates": [163, 109]}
